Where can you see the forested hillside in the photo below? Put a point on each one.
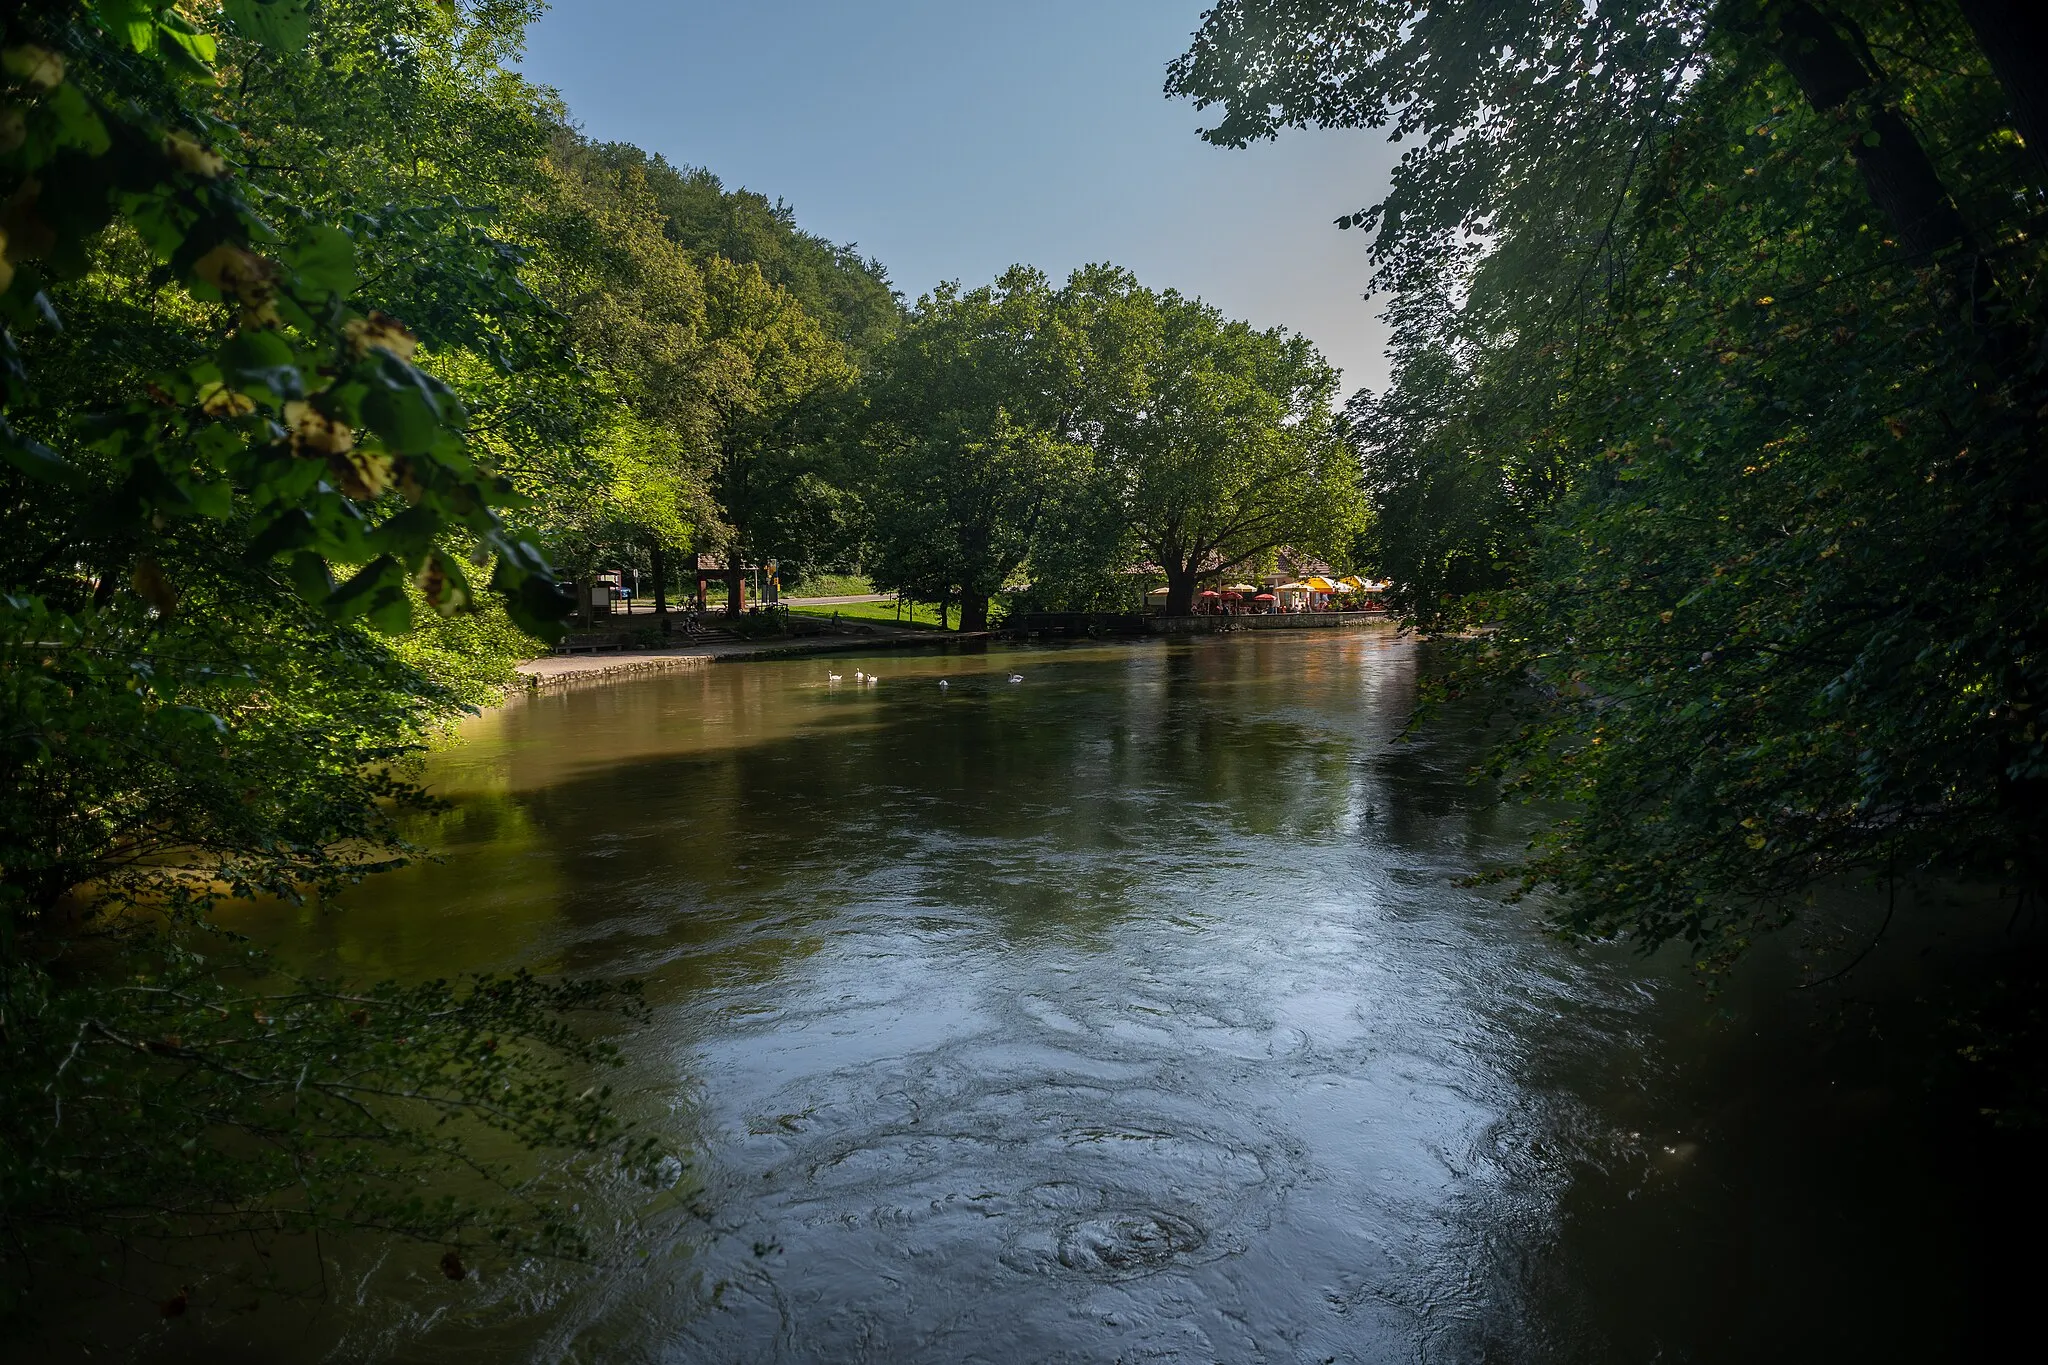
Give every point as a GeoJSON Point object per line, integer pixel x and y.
{"type": "Point", "coordinates": [850, 293]}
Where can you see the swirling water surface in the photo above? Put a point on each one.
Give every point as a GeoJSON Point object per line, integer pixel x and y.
{"type": "Point", "coordinates": [1133, 1011]}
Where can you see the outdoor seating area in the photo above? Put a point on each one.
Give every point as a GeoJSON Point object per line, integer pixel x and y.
{"type": "Point", "coordinates": [1283, 596]}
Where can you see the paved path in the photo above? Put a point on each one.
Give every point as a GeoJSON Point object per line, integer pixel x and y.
{"type": "Point", "coordinates": [559, 669]}
{"type": "Point", "coordinates": [837, 601]}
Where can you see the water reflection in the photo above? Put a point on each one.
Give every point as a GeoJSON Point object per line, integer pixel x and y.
{"type": "Point", "coordinates": [1129, 1012]}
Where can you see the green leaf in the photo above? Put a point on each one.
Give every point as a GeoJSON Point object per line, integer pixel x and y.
{"type": "Point", "coordinates": [409, 408]}
{"type": "Point", "coordinates": [35, 459]}
{"type": "Point", "coordinates": [184, 48]}
{"type": "Point", "coordinates": [132, 21]}
{"type": "Point", "coordinates": [209, 497]}
{"type": "Point", "coordinates": [539, 606]}
{"type": "Point", "coordinates": [262, 364]}
{"type": "Point", "coordinates": [280, 25]}
{"type": "Point", "coordinates": [288, 531]}
{"type": "Point", "coordinates": [308, 573]}
{"type": "Point", "coordinates": [409, 533]}
{"type": "Point", "coordinates": [254, 351]}
{"type": "Point", "coordinates": [405, 418]}
{"type": "Point", "coordinates": [219, 441]}
{"type": "Point", "coordinates": [367, 590]}
{"type": "Point", "coordinates": [391, 611]}
{"type": "Point", "coordinates": [533, 599]}
{"type": "Point", "coordinates": [78, 123]}
{"type": "Point", "coordinates": [158, 221]}
{"type": "Point", "coordinates": [324, 258]}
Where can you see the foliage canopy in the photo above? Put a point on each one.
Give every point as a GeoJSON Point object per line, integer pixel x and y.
{"type": "Point", "coordinates": [1073, 431]}
{"type": "Point", "coordinates": [1718, 399]}
{"type": "Point", "coordinates": [317, 321]}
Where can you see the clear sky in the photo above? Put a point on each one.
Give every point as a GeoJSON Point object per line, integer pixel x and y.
{"type": "Point", "coordinates": [951, 138]}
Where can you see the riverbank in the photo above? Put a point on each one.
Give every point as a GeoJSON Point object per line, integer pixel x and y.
{"type": "Point", "coordinates": [563, 670]}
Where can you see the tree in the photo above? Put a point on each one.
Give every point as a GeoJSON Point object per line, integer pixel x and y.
{"type": "Point", "coordinates": [1741, 390]}
{"type": "Point", "coordinates": [962, 431]}
{"type": "Point", "coordinates": [191, 708]}
{"type": "Point", "coordinates": [626, 469]}
{"type": "Point", "coordinates": [772, 378]}
{"type": "Point", "coordinates": [1219, 440]}
{"type": "Point", "coordinates": [1070, 428]}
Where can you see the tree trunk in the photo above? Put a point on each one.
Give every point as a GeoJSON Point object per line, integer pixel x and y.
{"type": "Point", "coordinates": [973, 612]}
{"type": "Point", "coordinates": [2014, 37]}
{"type": "Point", "coordinates": [735, 586]}
{"type": "Point", "coordinates": [1180, 589]}
{"type": "Point", "coordinates": [1901, 179]}
{"type": "Point", "coordinates": [660, 580]}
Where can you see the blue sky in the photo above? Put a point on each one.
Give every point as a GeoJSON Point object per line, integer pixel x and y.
{"type": "Point", "coordinates": [953, 139]}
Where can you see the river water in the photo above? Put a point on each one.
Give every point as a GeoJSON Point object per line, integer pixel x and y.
{"type": "Point", "coordinates": [1130, 1011]}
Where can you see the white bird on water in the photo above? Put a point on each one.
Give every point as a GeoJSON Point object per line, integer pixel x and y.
{"type": "Point", "coordinates": [1016, 677]}
{"type": "Point", "coordinates": [832, 677]}
{"type": "Point", "coordinates": [858, 675]}
{"type": "Point", "coordinates": [944, 683]}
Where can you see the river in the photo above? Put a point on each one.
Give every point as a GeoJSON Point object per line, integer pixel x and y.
{"type": "Point", "coordinates": [1128, 1010]}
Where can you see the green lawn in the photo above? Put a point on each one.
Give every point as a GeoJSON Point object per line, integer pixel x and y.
{"type": "Point", "coordinates": [923, 615]}
{"type": "Point", "coordinates": [830, 585]}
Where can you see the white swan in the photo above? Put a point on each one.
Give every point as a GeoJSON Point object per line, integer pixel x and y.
{"type": "Point", "coordinates": [858, 675]}
{"type": "Point", "coordinates": [1016, 677]}
{"type": "Point", "coordinates": [831, 677]}
{"type": "Point", "coordinates": [944, 683]}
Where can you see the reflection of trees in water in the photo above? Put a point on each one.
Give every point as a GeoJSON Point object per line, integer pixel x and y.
{"type": "Point", "coordinates": [1110, 783]}
{"type": "Point", "coordinates": [1051, 802]}
{"type": "Point", "coordinates": [483, 899]}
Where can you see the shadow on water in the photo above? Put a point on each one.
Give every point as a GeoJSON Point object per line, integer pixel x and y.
{"type": "Point", "coordinates": [1128, 1012]}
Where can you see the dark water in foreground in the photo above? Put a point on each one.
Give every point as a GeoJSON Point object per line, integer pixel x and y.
{"type": "Point", "coordinates": [1126, 1013]}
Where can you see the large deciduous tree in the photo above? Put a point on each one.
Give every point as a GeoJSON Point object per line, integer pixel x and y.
{"type": "Point", "coordinates": [627, 467]}
{"type": "Point", "coordinates": [963, 429]}
{"type": "Point", "coordinates": [272, 297]}
{"type": "Point", "coordinates": [1719, 326]}
{"type": "Point", "coordinates": [1073, 429]}
{"type": "Point", "coordinates": [1219, 440]}
{"type": "Point", "coordinates": [772, 381]}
